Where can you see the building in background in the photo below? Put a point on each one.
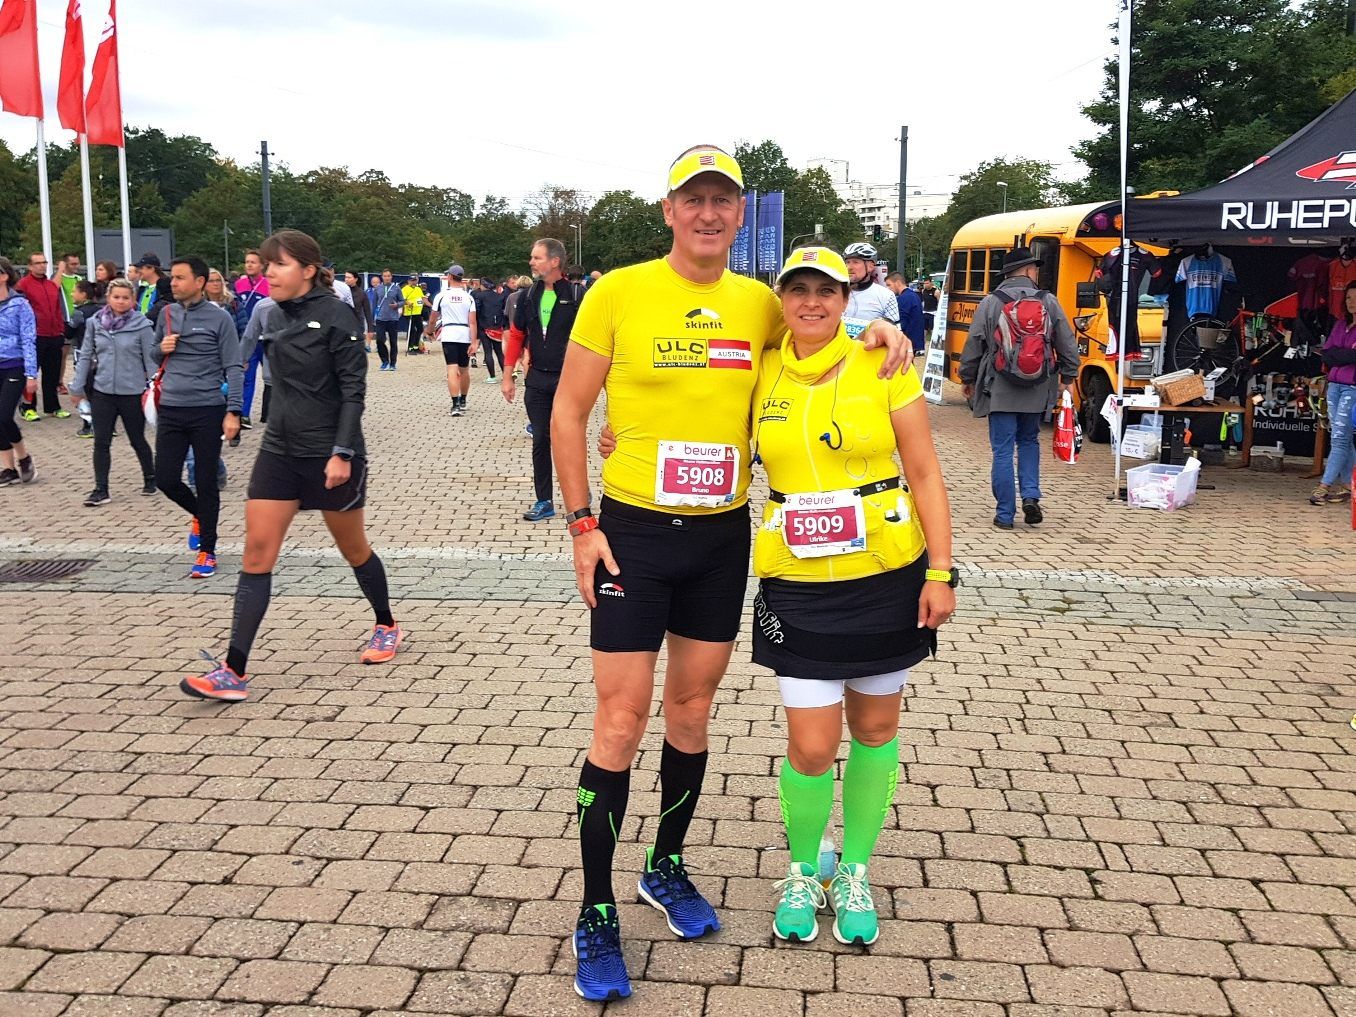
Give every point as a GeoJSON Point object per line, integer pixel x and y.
{"type": "Point", "coordinates": [877, 205]}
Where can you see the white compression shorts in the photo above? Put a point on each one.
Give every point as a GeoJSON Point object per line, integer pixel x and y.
{"type": "Point", "coordinates": [808, 693]}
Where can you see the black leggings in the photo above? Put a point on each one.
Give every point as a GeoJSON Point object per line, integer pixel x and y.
{"type": "Point", "coordinates": [414, 329]}
{"type": "Point", "coordinates": [49, 371]}
{"type": "Point", "coordinates": [539, 402]}
{"type": "Point", "coordinates": [11, 392]}
{"type": "Point", "coordinates": [493, 348]}
{"type": "Point", "coordinates": [106, 410]}
{"type": "Point", "coordinates": [388, 331]}
{"type": "Point", "coordinates": [200, 427]}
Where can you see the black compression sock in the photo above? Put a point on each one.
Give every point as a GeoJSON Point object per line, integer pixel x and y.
{"type": "Point", "coordinates": [600, 805]}
{"type": "Point", "coordinates": [371, 576]}
{"type": "Point", "coordinates": [680, 784]}
{"type": "Point", "coordinates": [252, 592]}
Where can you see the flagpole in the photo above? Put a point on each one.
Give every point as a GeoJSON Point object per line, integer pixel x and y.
{"type": "Point", "coordinates": [89, 207]}
{"type": "Point", "coordinates": [44, 197]}
{"type": "Point", "coordinates": [126, 211]}
{"type": "Point", "coordinates": [1124, 33]}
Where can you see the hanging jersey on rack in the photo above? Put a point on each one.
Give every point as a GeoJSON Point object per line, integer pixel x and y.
{"type": "Point", "coordinates": [1142, 263]}
{"type": "Point", "coordinates": [1205, 279]}
{"type": "Point", "coordinates": [1310, 276]}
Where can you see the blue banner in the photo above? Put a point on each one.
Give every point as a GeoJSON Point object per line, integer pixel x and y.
{"type": "Point", "coordinates": [770, 232]}
{"type": "Point", "coordinates": [741, 255]}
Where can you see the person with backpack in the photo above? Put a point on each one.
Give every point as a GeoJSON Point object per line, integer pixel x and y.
{"type": "Point", "coordinates": [1019, 358]}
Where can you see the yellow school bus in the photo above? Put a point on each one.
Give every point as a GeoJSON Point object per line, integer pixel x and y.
{"type": "Point", "coordinates": [1071, 243]}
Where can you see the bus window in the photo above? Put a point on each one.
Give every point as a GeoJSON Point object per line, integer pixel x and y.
{"type": "Point", "coordinates": [977, 271]}
{"type": "Point", "coordinates": [960, 264]}
{"type": "Point", "coordinates": [1047, 249]}
{"type": "Point", "coordinates": [995, 269]}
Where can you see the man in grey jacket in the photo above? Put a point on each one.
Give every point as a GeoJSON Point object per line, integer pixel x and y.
{"type": "Point", "coordinates": [200, 350]}
{"type": "Point", "coordinates": [1015, 411]}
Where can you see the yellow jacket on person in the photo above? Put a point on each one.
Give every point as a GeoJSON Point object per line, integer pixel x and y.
{"type": "Point", "coordinates": [792, 416]}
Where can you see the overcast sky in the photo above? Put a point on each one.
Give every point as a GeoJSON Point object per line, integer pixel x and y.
{"type": "Point", "coordinates": [599, 95]}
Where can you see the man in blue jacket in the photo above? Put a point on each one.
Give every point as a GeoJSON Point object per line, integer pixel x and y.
{"type": "Point", "coordinates": [910, 311]}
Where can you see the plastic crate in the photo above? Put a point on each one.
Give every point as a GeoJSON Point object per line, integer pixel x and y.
{"type": "Point", "coordinates": [1141, 442]}
{"type": "Point", "coordinates": [1158, 486]}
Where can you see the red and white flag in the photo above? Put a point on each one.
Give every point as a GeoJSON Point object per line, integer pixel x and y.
{"type": "Point", "coordinates": [103, 104]}
{"type": "Point", "coordinates": [71, 87]}
{"type": "Point", "coordinates": [20, 83]}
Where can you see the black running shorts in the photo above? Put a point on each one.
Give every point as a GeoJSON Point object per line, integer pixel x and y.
{"type": "Point", "coordinates": [679, 574]}
{"type": "Point", "coordinates": [457, 354]}
{"type": "Point", "coordinates": [283, 478]}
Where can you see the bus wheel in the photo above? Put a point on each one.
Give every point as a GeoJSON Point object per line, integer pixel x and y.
{"type": "Point", "coordinates": [1095, 388]}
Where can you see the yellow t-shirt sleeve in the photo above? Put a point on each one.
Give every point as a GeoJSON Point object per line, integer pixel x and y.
{"type": "Point", "coordinates": [904, 388]}
{"type": "Point", "coordinates": [594, 327]}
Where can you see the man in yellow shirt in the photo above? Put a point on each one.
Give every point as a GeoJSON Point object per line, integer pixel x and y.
{"type": "Point", "coordinates": [413, 313]}
{"type": "Point", "coordinates": [677, 343]}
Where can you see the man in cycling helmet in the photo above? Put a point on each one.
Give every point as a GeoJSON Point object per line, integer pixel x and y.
{"type": "Point", "coordinates": [869, 300]}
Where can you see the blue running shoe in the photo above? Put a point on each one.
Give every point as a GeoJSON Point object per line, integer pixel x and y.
{"type": "Point", "coordinates": [541, 510]}
{"type": "Point", "coordinates": [601, 970]}
{"type": "Point", "coordinates": [194, 535]}
{"type": "Point", "coordinates": [664, 885]}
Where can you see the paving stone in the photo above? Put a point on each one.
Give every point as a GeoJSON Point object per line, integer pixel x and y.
{"type": "Point", "coordinates": [366, 987]}
{"type": "Point", "coordinates": [271, 981]}
{"type": "Point", "coordinates": [179, 977]}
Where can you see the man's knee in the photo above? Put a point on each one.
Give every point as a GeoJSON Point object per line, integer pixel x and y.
{"type": "Point", "coordinates": [617, 730]}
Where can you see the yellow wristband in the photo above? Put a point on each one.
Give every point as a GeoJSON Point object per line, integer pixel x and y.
{"type": "Point", "coordinates": [938, 576]}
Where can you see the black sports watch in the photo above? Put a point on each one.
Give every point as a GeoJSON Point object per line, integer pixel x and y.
{"type": "Point", "coordinates": [578, 514]}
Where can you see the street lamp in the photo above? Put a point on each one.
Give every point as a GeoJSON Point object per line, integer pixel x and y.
{"type": "Point", "coordinates": [1004, 185]}
{"type": "Point", "coordinates": [578, 246]}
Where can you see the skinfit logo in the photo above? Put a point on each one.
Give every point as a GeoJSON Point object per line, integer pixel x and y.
{"type": "Point", "coordinates": [702, 317]}
{"type": "Point", "coordinates": [612, 590]}
{"type": "Point", "coordinates": [1339, 169]}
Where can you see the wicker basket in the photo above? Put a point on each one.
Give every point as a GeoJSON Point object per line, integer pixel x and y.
{"type": "Point", "coordinates": [1180, 387]}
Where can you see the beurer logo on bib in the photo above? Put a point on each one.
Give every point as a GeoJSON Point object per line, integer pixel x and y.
{"type": "Point", "coordinates": [680, 352]}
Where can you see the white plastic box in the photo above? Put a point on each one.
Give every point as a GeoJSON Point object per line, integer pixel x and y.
{"type": "Point", "coordinates": [1141, 442]}
{"type": "Point", "coordinates": [1158, 486]}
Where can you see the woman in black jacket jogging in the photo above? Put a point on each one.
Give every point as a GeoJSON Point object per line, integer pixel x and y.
{"type": "Point", "coordinates": [312, 455]}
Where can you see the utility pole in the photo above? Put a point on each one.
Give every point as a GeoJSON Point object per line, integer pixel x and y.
{"type": "Point", "coordinates": [225, 245]}
{"type": "Point", "coordinates": [903, 193]}
{"type": "Point", "coordinates": [1351, 17]}
{"type": "Point", "coordinates": [268, 194]}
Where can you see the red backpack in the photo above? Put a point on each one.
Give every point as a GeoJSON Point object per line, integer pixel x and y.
{"type": "Point", "coordinates": [1023, 351]}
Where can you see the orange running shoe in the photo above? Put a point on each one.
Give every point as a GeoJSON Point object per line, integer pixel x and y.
{"type": "Point", "coordinates": [383, 644]}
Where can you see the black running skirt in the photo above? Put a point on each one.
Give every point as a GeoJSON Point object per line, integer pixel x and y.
{"type": "Point", "coordinates": [839, 630]}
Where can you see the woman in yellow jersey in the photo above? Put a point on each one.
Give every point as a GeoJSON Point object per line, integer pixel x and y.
{"type": "Point", "coordinates": [856, 576]}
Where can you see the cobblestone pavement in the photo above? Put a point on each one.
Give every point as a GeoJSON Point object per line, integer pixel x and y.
{"type": "Point", "coordinates": [1129, 782]}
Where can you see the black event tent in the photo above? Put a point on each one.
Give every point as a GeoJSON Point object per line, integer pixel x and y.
{"type": "Point", "coordinates": [1300, 194]}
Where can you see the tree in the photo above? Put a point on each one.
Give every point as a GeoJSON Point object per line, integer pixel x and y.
{"type": "Point", "coordinates": [553, 209]}
{"type": "Point", "coordinates": [624, 229]}
{"type": "Point", "coordinates": [1030, 184]}
{"type": "Point", "coordinates": [764, 166]}
{"type": "Point", "coordinates": [1215, 84]}
{"type": "Point", "coordinates": [495, 241]}
{"type": "Point", "coordinates": [811, 201]}
{"type": "Point", "coordinates": [18, 192]}
{"type": "Point", "coordinates": [177, 166]}
{"type": "Point", "coordinates": [230, 199]}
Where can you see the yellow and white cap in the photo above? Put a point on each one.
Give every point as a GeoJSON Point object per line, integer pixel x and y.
{"type": "Point", "coordinates": [821, 259]}
{"type": "Point", "coordinates": [704, 160]}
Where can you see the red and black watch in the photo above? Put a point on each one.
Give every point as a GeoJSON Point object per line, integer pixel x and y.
{"type": "Point", "coordinates": [580, 521]}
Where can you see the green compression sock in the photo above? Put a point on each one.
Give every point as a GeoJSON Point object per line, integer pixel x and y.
{"type": "Point", "coordinates": [869, 780]}
{"type": "Point", "coordinates": [806, 804]}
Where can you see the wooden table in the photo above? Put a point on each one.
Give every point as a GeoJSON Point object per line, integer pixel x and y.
{"type": "Point", "coordinates": [1206, 409]}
